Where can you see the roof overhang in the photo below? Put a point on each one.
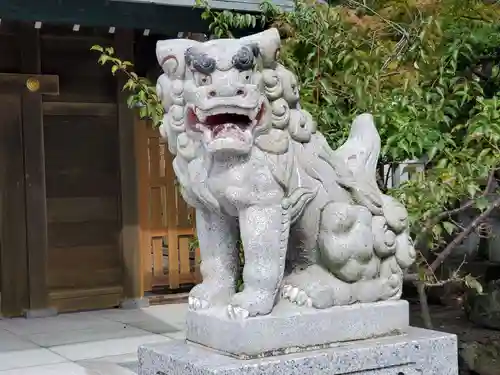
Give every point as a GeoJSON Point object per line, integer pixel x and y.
{"type": "Point", "coordinates": [106, 13]}
{"type": "Point", "coordinates": [161, 16]}
{"type": "Point", "coordinates": [234, 5]}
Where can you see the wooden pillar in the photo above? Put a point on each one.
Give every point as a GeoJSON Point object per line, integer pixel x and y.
{"type": "Point", "coordinates": [20, 225]}
{"type": "Point", "coordinates": [130, 233]}
{"type": "Point", "coordinates": [34, 158]}
{"type": "Point", "coordinates": [14, 256]}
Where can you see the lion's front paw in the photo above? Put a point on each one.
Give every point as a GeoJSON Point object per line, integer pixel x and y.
{"type": "Point", "coordinates": [197, 303]}
{"type": "Point", "coordinates": [236, 312]}
{"type": "Point", "coordinates": [250, 303]}
{"type": "Point", "coordinates": [206, 295]}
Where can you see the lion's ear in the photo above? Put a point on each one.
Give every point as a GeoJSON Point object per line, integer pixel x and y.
{"type": "Point", "coordinates": [170, 55]}
{"type": "Point", "coordinates": [269, 43]}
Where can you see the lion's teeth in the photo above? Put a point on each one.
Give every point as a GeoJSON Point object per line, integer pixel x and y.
{"type": "Point", "coordinates": [201, 115]}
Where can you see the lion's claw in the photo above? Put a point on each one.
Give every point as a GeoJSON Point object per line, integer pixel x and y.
{"type": "Point", "coordinates": [295, 295]}
{"type": "Point", "coordinates": [197, 303]}
{"type": "Point", "coordinates": [236, 312]}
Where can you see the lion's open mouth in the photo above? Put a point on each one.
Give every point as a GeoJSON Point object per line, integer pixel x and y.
{"type": "Point", "coordinates": [224, 121]}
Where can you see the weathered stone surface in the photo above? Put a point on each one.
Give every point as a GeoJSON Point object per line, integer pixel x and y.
{"type": "Point", "coordinates": [290, 328]}
{"type": "Point", "coordinates": [419, 352]}
{"type": "Point", "coordinates": [314, 224]}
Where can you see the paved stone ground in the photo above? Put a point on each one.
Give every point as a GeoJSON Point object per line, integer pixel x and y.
{"type": "Point", "coordinates": [88, 343]}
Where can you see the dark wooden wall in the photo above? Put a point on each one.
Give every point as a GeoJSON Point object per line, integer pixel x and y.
{"type": "Point", "coordinates": [68, 175]}
{"type": "Point", "coordinates": [68, 238]}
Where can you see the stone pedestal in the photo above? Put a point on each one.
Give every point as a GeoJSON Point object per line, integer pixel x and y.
{"type": "Point", "coordinates": [291, 328]}
{"type": "Point", "coordinates": [371, 339]}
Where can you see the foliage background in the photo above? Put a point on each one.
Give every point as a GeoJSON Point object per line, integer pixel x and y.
{"type": "Point", "coordinates": [429, 71]}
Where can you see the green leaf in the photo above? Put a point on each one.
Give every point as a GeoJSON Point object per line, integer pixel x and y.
{"type": "Point", "coordinates": [248, 20]}
{"type": "Point", "coordinates": [437, 231]}
{"type": "Point", "coordinates": [96, 47]}
{"type": "Point", "coordinates": [482, 203]}
{"type": "Point", "coordinates": [449, 227]}
{"type": "Point", "coordinates": [472, 189]}
{"type": "Point", "coordinates": [103, 59]}
{"type": "Point", "coordinates": [473, 283]}
{"type": "Point", "coordinates": [130, 101]}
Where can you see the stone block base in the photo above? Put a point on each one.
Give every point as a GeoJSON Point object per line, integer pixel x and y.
{"type": "Point", "coordinates": [291, 328]}
{"type": "Point", "coordinates": [418, 352]}
{"type": "Point", "coordinates": [40, 313]}
{"type": "Point", "coordinates": [135, 303]}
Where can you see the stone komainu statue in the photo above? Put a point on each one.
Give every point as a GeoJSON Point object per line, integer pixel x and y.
{"type": "Point", "coordinates": [315, 228]}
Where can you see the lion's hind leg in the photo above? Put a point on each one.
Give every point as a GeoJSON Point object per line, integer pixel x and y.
{"type": "Point", "coordinates": [347, 269]}
{"type": "Point", "coordinates": [316, 287]}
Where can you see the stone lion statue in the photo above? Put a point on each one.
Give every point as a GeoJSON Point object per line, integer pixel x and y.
{"type": "Point", "coordinates": [316, 230]}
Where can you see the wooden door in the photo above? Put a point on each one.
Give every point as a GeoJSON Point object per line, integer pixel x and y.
{"type": "Point", "coordinates": [167, 223]}
{"type": "Point", "coordinates": [82, 167]}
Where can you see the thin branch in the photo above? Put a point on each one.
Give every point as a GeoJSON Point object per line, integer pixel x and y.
{"type": "Point", "coordinates": [458, 239]}
{"type": "Point", "coordinates": [481, 75]}
{"type": "Point", "coordinates": [468, 230]}
{"type": "Point", "coordinates": [388, 174]}
{"type": "Point", "coordinates": [469, 204]}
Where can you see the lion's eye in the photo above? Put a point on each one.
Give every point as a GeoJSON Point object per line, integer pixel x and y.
{"type": "Point", "coordinates": [244, 58]}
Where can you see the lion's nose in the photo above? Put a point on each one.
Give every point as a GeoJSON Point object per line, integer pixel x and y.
{"type": "Point", "coordinates": [227, 92]}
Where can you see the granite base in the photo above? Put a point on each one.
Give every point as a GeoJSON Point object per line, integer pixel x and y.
{"type": "Point", "coordinates": [418, 352]}
{"type": "Point", "coordinates": [291, 328]}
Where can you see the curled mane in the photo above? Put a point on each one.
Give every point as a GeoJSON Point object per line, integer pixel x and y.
{"type": "Point", "coordinates": [291, 143]}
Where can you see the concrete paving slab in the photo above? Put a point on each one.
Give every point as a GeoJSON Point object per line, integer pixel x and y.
{"type": "Point", "coordinates": [105, 348]}
{"type": "Point", "coordinates": [67, 322]}
{"type": "Point", "coordinates": [28, 358]}
{"type": "Point", "coordinates": [113, 330]}
{"type": "Point", "coordinates": [58, 369]}
{"type": "Point", "coordinates": [11, 342]}
{"type": "Point", "coordinates": [156, 319]}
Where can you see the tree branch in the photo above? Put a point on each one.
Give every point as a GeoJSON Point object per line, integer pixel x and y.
{"type": "Point", "coordinates": [469, 204]}
{"type": "Point", "coordinates": [424, 305]}
{"type": "Point", "coordinates": [458, 239]}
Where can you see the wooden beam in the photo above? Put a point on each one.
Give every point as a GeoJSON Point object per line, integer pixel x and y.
{"type": "Point", "coordinates": [103, 13]}
{"type": "Point", "coordinates": [34, 158]}
{"type": "Point", "coordinates": [41, 84]}
{"type": "Point", "coordinates": [13, 251]}
{"type": "Point", "coordinates": [130, 233]}
{"type": "Point", "coordinates": [79, 109]}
